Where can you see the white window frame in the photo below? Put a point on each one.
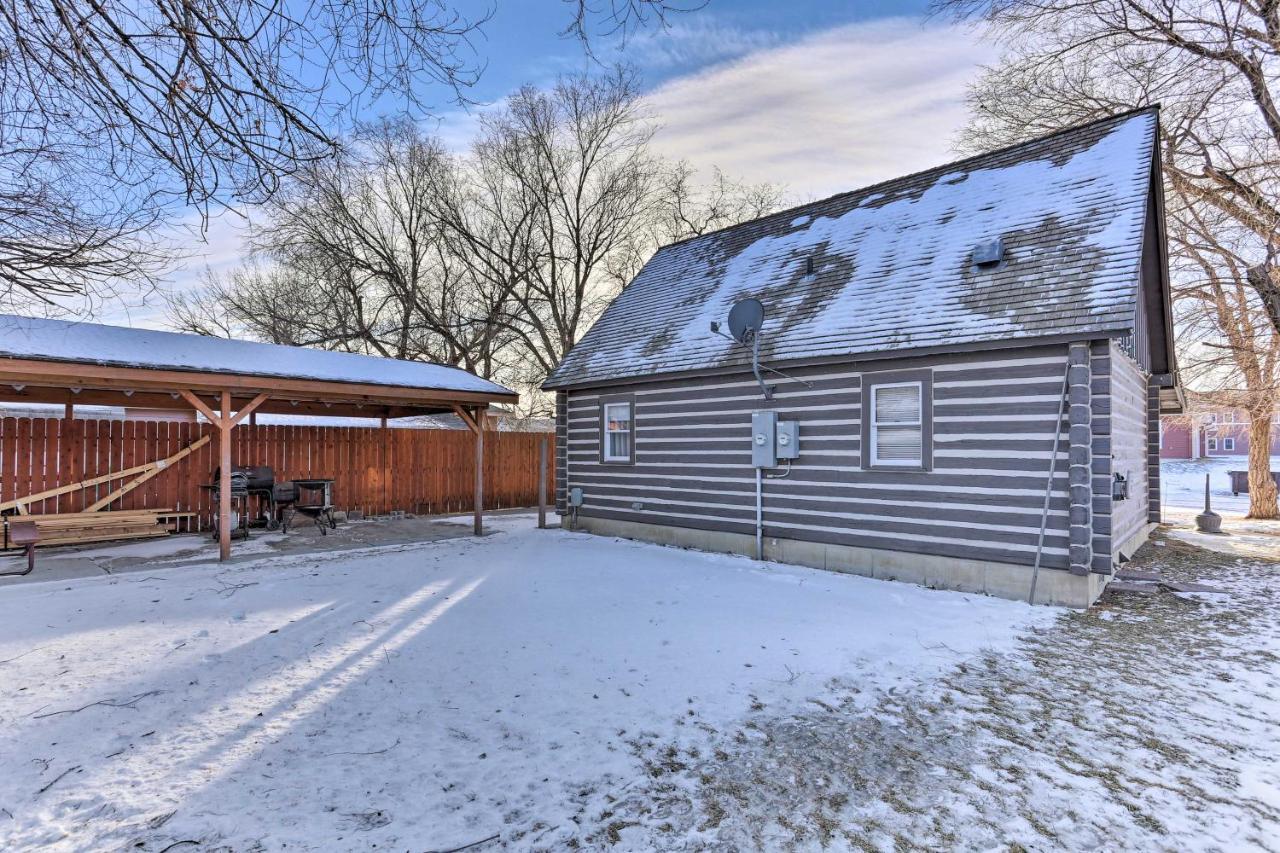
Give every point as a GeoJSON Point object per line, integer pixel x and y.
{"type": "Point", "coordinates": [1211, 445]}
{"type": "Point", "coordinates": [918, 462]}
{"type": "Point", "coordinates": [606, 432]}
{"type": "Point", "coordinates": [1229, 444]}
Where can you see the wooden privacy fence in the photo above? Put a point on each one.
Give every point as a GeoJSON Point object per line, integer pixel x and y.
{"type": "Point", "coordinates": [376, 470]}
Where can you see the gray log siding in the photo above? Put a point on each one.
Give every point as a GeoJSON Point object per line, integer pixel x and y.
{"type": "Point", "coordinates": [1129, 449]}
{"type": "Point", "coordinates": [1080, 417]}
{"type": "Point", "coordinates": [1153, 452]}
{"type": "Point", "coordinates": [993, 426]}
{"type": "Point", "coordinates": [1100, 407]}
{"type": "Point", "coordinates": [1121, 436]}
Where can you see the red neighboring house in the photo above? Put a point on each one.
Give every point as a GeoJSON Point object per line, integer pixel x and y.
{"type": "Point", "coordinates": [1220, 433]}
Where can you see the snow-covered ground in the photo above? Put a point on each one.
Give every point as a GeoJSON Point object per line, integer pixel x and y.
{"type": "Point", "coordinates": [1182, 483]}
{"type": "Point", "coordinates": [546, 690]}
{"type": "Point", "coordinates": [424, 696]}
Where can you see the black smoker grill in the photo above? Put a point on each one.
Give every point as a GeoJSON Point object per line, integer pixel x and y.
{"type": "Point", "coordinates": [278, 501]}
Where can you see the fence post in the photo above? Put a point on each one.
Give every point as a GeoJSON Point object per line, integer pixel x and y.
{"type": "Point", "coordinates": [542, 482]}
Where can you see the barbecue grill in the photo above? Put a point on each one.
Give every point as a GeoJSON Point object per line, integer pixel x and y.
{"type": "Point", "coordinates": [279, 500]}
{"type": "Point", "coordinates": [253, 481]}
{"type": "Point", "coordinates": [288, 496]}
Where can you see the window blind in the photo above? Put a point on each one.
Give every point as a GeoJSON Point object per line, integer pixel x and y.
{"type": "Point", "coordinates": [896, 423]}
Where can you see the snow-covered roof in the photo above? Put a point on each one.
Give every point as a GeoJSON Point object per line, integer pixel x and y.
{"type": "Point", "coordinates": [92, 343]}
{"type": "Point", "coordinates": [893, 264]}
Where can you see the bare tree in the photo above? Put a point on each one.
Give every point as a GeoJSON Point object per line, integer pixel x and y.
{"type": "Point", "coordinates": [576, 158]}
{"type": "Point", "coordinates": [496, 261]}
{"type": "Point", "coordinates": [620, 18]}
{"type": "Point", "coordinates": [1067, 63]}
{"type": "Point", "coordinates": [1233, 351]}
{"type": "Point", "coordinates": [689, 208]}
{"type": "Point", "coordinates": [118, 115]}
{"type": "Point", "coordinates": [572, 168]}
{"type": "Point", "coordinates": [359, 259]}
{"type": "Point", "coordinates": [1213, 65]}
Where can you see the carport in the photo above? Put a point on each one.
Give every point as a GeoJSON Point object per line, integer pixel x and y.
{"type": "Point", "coordinates": [227, 381]}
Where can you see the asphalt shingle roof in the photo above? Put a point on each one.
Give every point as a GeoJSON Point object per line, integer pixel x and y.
{"type": "Point", "coordinates": [893, 265]}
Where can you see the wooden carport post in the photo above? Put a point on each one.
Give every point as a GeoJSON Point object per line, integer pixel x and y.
{"type": "Point", "coordinates": [475, 422]}
{"type": "Point", "coordinates": [224, 478]}
{"type": "Point", "coordinates": [224, 423]}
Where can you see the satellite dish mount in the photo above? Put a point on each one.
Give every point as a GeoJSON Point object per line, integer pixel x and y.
{"type": "Point", "coordinates": [746, 318]}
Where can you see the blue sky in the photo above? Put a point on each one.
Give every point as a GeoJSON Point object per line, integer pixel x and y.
{"type": "Point", "coordinates": [817, 97]}
{"type": "Point", "coordinates": [520, 42]}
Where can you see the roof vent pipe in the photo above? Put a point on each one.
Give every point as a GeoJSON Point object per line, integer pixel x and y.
{"type": "Point", "coordinates": [809, 274]}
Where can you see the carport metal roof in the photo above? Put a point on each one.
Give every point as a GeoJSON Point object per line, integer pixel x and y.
{"type": "Point", "coordinates": [59, 361]}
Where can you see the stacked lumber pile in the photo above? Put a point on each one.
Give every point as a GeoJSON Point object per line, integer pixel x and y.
{"type": "Point", "coordinates": [93, 524]}
{"type": "Point", "coordinates": [75, 528]}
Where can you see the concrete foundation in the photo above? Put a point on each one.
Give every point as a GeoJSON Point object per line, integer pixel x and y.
{"type": "Point", "coordinates": [1003, 580]}
{"type": "Point", "coordinates": [1131, 545]}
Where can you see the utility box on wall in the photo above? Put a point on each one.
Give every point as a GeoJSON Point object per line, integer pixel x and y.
{"type": "Point", "coordinates": [788, 439]}
{"type": "Point", "coordinates": [764, 430]}
{"type": "Point", "coordinates": [772, 439]}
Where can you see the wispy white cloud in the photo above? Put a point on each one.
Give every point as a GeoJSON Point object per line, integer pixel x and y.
{"type": "Point", "coordinates": [831, 112]}
{"type": "Point", "coordinates": [694, 42]}
{"type": "Point", "coordinates": [219, 247]}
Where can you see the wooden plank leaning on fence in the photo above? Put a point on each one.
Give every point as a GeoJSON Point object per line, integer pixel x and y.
{"type": "Point", "coordinates": [145, 472]}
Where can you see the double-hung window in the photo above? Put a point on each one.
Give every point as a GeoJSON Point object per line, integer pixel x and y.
{"type": "Point", "coordinates": [897, 424]}
{"type": "Point", "coordinates": [617, 432]}
{"type": "Point", "coordinates": [897, 420]}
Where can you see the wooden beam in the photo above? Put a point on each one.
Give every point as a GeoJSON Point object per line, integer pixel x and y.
{"type": "Point", "coordinates": [479, 505]}
{"type": "Point", "coordinates": [249, 409]}
{"type": "Point", "coordinates": [200, 406]}
{"type": "Point", "coordinates": [542, 482]}
{"type": "Point", "coordinates": [224, 477]}
{"type": "Point", "coordinates": [467, 418]}
{"type": "Point", "coordinates": [153, 469]}
{"type": "Point", "coordinates": [69, 411]}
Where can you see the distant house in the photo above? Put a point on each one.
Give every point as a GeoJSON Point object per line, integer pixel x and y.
{"type": "Point", "coordinates": [497, 418]}
{"type": "Point", "coordinates": [928, 327]}
{"type": "Point", "coordinates": [1218, 432]}
{"type": "Point", "coordinates": [96, 413]}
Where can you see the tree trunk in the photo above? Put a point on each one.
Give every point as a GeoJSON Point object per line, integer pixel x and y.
{"type": "Point", "coordinates": [1262, 489]}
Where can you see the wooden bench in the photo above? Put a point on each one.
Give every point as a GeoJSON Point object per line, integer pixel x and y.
{"type": "Point", "coordinates": [24, 534]}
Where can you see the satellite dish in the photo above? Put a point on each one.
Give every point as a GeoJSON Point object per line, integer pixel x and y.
{"type": "Point", "coordinates": [745, 319]}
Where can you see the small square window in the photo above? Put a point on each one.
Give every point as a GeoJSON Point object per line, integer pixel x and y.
{"type": "Point", "coordinates": [617, 433]}
{"type": "Point", "coordinates": [1213, 444]}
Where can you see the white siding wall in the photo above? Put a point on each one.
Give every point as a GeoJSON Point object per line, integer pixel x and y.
{"type": "Point", "coordinates": [1128, 445]}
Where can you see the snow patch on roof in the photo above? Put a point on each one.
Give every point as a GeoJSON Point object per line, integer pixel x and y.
{"type": "Point", "coordinates": [92, 343]}
{"type": "Point", "coordinates": [899, 274]}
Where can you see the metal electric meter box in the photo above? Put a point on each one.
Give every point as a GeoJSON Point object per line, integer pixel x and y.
{"type": "Point", "coordinates": [764, 429]}
{"type": "Point", "coordinates": [788, 439]}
